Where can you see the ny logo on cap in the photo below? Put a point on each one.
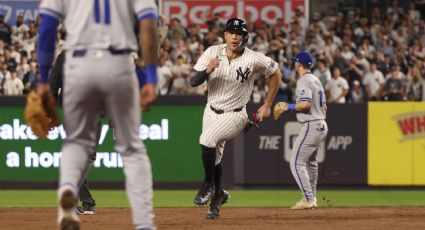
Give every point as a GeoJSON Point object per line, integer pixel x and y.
{"type": "Point", "coordinates": [236, 23]}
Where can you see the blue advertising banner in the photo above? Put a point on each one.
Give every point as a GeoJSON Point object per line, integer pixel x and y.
{"type": "Point", "coordinates": [12, 8]}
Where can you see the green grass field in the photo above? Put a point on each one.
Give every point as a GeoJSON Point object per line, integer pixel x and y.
{"type": "Point", "coordinates": [239, 198]}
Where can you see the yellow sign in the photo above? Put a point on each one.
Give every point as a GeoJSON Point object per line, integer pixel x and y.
{"type": "Point", "coordinates": [396, 143]}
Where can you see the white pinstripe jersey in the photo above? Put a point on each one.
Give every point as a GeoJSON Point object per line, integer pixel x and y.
{"type": "Point", "coordinates": [309, 88]}
{"type": "Point", "coordinates": [99, 24]}
{"type": "Point", "coordinates": [230, 84]}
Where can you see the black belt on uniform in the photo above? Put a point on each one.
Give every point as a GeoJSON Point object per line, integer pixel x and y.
{"type": "Point", "coordinates": [82, 53]}
{"type": "Point", "coordinates": [220, 111]}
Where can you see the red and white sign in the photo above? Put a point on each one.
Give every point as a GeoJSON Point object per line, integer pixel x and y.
{"type": "Point", "coordinates": [198, 11]}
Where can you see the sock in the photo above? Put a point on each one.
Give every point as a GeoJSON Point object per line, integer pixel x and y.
{"type": "Point", "coordinates": [208, 158]}
{"type": "Point", "coordinates": [218, 171]}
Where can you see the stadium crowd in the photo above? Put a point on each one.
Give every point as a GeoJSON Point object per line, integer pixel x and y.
{"type": "Point", "coordinates": [358, 58]}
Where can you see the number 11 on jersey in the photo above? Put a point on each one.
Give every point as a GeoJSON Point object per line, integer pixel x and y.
{"type": "Point", "coordinates": [106, 13]}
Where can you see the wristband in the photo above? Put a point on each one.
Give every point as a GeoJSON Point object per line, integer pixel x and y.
{"type": "Point", "coordinates": [141, 76]}
{"type": "Point", "coordinates": [291, 107]}
{"type": "Point", "coordinates": [151, 72]}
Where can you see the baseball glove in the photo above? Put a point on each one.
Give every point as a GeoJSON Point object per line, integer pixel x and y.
{"type": "Point", "coordinates": [40, 113]}
{"type": "Point", "coordinates": [279, 108]}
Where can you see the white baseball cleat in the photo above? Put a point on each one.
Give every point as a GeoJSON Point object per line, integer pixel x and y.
{"type": "Point", "coordinates": [67, 217]}
{"type": "Point", "coordinates": [303, 204]}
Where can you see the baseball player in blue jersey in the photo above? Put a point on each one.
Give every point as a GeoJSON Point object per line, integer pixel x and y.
{"type": "Point", "coordinates": [99, 75]}
{"type": "Point", "coordinates": [311, 108]}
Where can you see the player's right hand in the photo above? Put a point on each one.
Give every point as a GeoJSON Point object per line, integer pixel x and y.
{"type": "Point", "coordinates": [279, 108]}
{"type": "Point", "coordinates": [147, 95]}
{"type": "Point", "coordinates": [212, 64]}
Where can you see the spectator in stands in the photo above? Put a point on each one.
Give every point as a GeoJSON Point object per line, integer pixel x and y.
{"type": "Point", "coordinates": [18, 29]}
{"type": "Point", "coordinates": [336, 88]}
{"type": "Point", "coordinates": [9, 60]}
{"type": "Point", "coordinates": [31, 77]}
{"type": "Point", "coordinates": [259, 91]}
{"type": "Point", "coordinates": [416, 85]}
{"type": "Point", "coordinates": [357, 94]}
{"type": "Point", "coordinates": [354, 71]}
{"type": "Point", "coordinates": [393, 90]}
{"type": "Point", "coordinates": [176, 29]}
{"type": "Point", "coordinates": [164, 76]}
{"type": "Point", "coordinates": [23, 68]}
{"type": "Point", "coordinates": [322, 72]}
{"type": "Point", "coordinates": [14, 85]}
{"type": "Point", "coordinates": [4, 71]}
{"type": "Point", "coordinates": [14, 53]}
{"type": "Point", "coordinates": [374, 82]}
{"type": "Point", "coordinates": [339, 61]}
{"type": "Point", "coordinates": [180, 70]}
{"type": "Point", "coordinates": [162, 28]}
{"type": "Point", "coordinates": [5, 31]}
{"type": "Point", "coordinates": [33, 56]}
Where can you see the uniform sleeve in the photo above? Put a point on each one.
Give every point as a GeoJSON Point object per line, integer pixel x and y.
{"type": "Point", "coordinates": [54, 8]}
{"type": "Point", "coordinates": [304, 92]}
{"type": "Point", "coordinates": [202, 62]}
{"type": "Point", "coordinates": [145, 9]}
{"type": "Point", "coordinates": [266, 65]}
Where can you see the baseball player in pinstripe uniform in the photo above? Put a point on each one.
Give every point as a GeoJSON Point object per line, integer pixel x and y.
{"type": "Point", "coordinates": [99, 75]}
{"type": "Point", "coordinates": [311, 113]}
{"type": "Point", "coordinates": [229, 70]}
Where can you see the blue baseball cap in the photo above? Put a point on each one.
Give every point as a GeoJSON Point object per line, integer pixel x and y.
{"type": "Point", "coordinates": [303, 57]}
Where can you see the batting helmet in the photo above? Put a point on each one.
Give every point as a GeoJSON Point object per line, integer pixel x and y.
{"type": "Point", "coordinates": [240, 25]}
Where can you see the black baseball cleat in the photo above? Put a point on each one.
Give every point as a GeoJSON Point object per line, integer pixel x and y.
{"type": "Point", "coordinates": [205, 193]}
{"type": "Point", "coordinates": [217, 201]}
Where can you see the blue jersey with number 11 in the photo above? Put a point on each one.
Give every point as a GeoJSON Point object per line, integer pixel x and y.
{"type": "Point", "coordinates": [310, 89]}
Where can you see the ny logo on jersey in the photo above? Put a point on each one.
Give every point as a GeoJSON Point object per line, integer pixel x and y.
{"type": "Point", "coordinates": [242, 74]}
{"type": "Point", "coordinates": [236, 23]}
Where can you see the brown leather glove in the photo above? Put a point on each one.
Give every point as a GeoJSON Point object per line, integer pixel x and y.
{"type": "Point", "coordinates": [40, 113]}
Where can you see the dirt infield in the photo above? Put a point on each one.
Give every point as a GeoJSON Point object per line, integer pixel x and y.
{"type": "Point", "coordinates": [231, 218]}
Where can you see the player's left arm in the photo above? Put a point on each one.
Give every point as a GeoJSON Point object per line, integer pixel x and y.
{"type": "Point", "coordinates": [46, 47]}
{"type": "Point", "coordinates": [148, 42]}
{"type": "Point", "coordinates": [273, 87]}
{"type": "Point", "coordinates": [304, 95]}
{"type": "Point", "coordinates": [272, 72]}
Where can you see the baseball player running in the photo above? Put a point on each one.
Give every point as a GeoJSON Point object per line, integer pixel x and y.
{"type": "Point", "coordinates": [229, 70]}
{"type": "Point", "coordinates": [56, 87]}
{"type": "Point", "coordinates": [99, 75]}
{"type": "Point", "coordinates": [311, 113]}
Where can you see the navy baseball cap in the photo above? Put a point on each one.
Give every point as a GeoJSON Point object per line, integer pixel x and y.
{"type": "Point", "coordinates": [303, 57]}
{"type": "Point", "coordinates": [236, 24]}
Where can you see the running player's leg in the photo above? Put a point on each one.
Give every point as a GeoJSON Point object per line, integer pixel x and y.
{"type": "Point", "coordinates": [313, 171]}
{"type": "Point", "coordinates": [85, 196]}
{"type": "Point", "coordinates": [81, 104]}
{"type": "Point", "coordinates": [223, 127]}
{"type": "Point", "coordinates": [301, 152]}
{"type": "Point", "coordinates": [125, 115]}
{"type": "Point", "coordinates": [218, 169]}
{"type": "Point", "coordinates": [206, 190]}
